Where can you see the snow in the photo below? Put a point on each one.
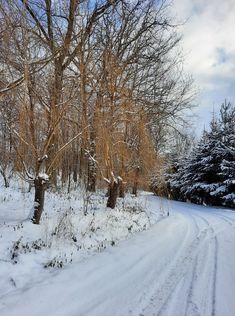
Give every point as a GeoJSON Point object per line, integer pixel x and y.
{"type": "Point", "coordinates": [43, 176]}
{"type": "Point", "coordinates": [44, 157]}
{"type": "Point", "coordinates": [183, 264]}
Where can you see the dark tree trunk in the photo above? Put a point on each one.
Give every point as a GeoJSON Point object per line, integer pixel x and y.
{"type": "Point", "coordinates": [83, 167]}
{"type": "Point", "coordinates": [136, 181]}
{"type": "Point", "coordinates": [30, 187]}
{"type": "Point", "coordinates": [91, 185]}
{"type": "Point", "coordinates": [107, 194]}
{"type": "Point", "coordinates": [64, 172]}
{"type": "Point", "coordinates": [40, 187]}
{"type": "Point", "coordinates": [75, 167]}
{"type": "Point", "coordinates": [113, 194]}
{"type": "Point", "coordinates": [6, 182]}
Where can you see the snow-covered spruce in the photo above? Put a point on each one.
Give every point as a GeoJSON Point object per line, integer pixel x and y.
{"type": "Point", "coordinates": [207, 174]}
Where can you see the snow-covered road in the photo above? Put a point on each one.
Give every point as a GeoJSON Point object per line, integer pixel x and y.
{"type": "Point", "coordinates": [183, 265]}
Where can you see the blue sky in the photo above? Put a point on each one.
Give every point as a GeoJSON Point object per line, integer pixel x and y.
{"type": "Point", "coordinates": [209, 47]}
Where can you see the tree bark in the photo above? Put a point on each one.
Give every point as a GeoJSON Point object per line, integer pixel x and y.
{"type": "Point", "coordinates": [136, 181]}
{"type": "Point", "coordinates": [91, 181]}
{"type": "Point", "coordinates": [92, 168]}
{"type": "Point", "coordinates": [40, 187]}
{"type": "Point", "coordinates": [113, 194]}
{"type": "Point", "coordinates": [75, 166]}
{"type": "Point", "coordinates": [6, 182]}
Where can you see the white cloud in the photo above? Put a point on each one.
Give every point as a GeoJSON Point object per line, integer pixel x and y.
{"type": "Point", "coordinates": [210, 26]}
{"type": "Point", "coordinates": [209, 46]}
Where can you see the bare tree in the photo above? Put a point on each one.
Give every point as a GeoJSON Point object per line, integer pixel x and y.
{"type": "Point", "coordinates": [96, 85]}
{"type": "Point", "coordinates": [46, 39]}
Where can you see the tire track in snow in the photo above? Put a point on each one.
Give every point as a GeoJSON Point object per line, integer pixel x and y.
{"type": "Point", "coordinates": [217, 216]}
{"type": "Point", "coordinates": [202, 273]}
{"type": "Point", "coordinates": [215, 259]}
{"type": "Point", "coordinates": [198, 260]}
{"type": "Point", "coordinates": [191, 307]}
{"type": "Point", "coordinates": [150, 289]}
{"type": "Point", "coordinates": [175, 273]}
{"type": "Point", "coordinates": [189, 301]}
{"type": "Point", "coordinates": [227, 220]}
{"type": "Point", "coordinates": [215, 277]}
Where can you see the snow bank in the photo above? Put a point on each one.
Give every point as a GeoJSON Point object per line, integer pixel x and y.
{"type": "Point", "coordinates": [72, 228]}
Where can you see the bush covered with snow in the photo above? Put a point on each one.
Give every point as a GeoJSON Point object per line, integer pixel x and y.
{"type": "Point", "coordinates": [73, 227]}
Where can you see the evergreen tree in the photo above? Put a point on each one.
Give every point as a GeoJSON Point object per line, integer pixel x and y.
{"type": "Point", "coordinates": [207, 175]}
{"type": "Point", "coordinates": [227, 172]}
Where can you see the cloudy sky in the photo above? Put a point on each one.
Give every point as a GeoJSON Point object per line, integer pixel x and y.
{"type": "Point", "coordinates": [209, 47]}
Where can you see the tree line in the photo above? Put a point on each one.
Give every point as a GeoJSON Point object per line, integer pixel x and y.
{"type": "Point", "coordinates": [206, 175]}
{"type": "Point", "coordinates": [89, 91]}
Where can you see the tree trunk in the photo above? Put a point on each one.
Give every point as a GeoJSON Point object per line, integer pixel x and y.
{"type": "Point", "coordinates": [113, 193]}
{"type": "Point", "coordinates": [40, 187]}
{"type": "Point", "coordinates": [83, 167]}
{"type": "Point", "coordinates": [54, 115]}
{"type": "Point", "coordinates": [91, 181]}
{"type": "Point", "coordinates": [6, 182]}
{"type": "Point", "coordinates": [92, 169]}
{"type": "Point", "coordinates": [136, 181]}
{"type": "Point", "coordinates": [75, 167]}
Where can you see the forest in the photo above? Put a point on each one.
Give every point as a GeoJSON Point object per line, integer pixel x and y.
{"type": "Point", "coordinates": [113, 198]}
{"type": "Point", "coordinates": [91, 94]}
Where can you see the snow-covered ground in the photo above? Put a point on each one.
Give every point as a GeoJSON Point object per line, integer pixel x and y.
{"type": "Point", "coordinates": [183, 264]}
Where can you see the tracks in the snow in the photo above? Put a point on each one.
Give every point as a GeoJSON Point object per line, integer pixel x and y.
{"type": "Point", "coordinates": [192, 275]}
